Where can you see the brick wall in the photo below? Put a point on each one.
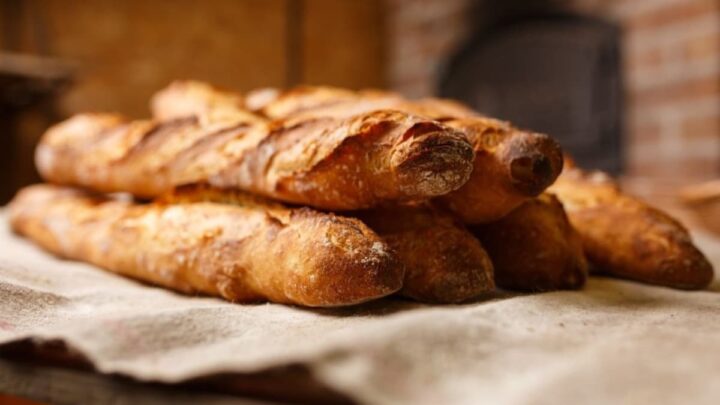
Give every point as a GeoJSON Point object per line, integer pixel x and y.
{"type": "Point", "coordinates": [671, 51]}
{"type": "Point", "coordinates": [421, 35]}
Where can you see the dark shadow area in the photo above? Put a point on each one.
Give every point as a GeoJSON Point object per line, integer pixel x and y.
{"type": "Point", "coordinates": [35, 362]}
{"type": "Point", "coordinates": [396, 304]}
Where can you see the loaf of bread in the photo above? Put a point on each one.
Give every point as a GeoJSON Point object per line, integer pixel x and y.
{"type": "Point", "coordinates": [510, 166]}
{"type": "Point", "coordinates": [257, 99]}
{"type": "Point", "coordinates": [444, 263]}
{"type": "Point", "coordinates": [185, 98]}
{"type": "Point", "coordinates": [311, 101]}
{"type": "Point", "coordinates": [297, 100]}
{"type": "Point", "coordinates": [341, 164]}
{"type": "Point", "coordinates": [534, 248]}
{"type": "Point", "coordinates": [625, 237]}
{"type": "Point", "coordinates": [242, 252]}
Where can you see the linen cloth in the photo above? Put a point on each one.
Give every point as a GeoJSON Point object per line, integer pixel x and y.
{"type": "Point", "coordinates": [613, 342]}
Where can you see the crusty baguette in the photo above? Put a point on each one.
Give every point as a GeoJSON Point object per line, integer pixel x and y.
{"type": "Point", "coordinates": [312, 101]}
{"type": "Point", "coordinates": [185, 98]}
{"type": "Point", "coordinates": [625, 237]}
{"type": "Point", "coordinates": [330, 163]}
{"type": "Point", "coordinates": [352, 163]}
{"type": "Point", "coordinates": [510, 166]}
{"type": "Point", "coordinates": [297, 100]}
{"type": "Point", "coordinates": [444, 263]}
{"type": "Point", "coordinates": [534, 248]}
{"type": "Point", "coordinates": [257, 99]}
{"type": "Point", "coordinates": [104, 152]}
{"type": "Point", "coordinates": [243, 253]}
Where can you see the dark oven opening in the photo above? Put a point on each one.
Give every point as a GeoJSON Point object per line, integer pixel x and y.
{"type": "Point", "coordinates": [550, 71]}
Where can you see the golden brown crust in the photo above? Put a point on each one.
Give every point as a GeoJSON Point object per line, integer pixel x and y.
{"type": "Point", "coordinates": [534, 248]}
{"type": "Point", "coordinates": [510, 166]}
{"type": "Point", "coordinates": [184, 98]}
{"type": "Point", "coordinates": [624, 237]}
{"type": "Point", "coordinates": [240, 252]}
{"type": "Point", "coordinates": [353, 163]}
{"type": "Point", "coordinates": [325, 101]}
{"type": "Point", "coordinates": [257, 99]}
{"type": "Point", "coordinates": [444, 263]}
{"type": "Point", "coordinates": [294, 101]}
{"type": "Point", "coordinates": [105, 153]}
{"type": "Point", "coordinates": [328, 163]}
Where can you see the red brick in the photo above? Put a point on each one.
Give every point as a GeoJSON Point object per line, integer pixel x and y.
{"type": "Point", "coordinates": [676, 12]}
{"type": "Point", "coordinates": [647, 133]}
{"type": "Point", "coordinates": [686, 170]}
{"type": "Point", "coordinates": [631, 8]}
{"type": "Point", "coordinates": [707, 46]}
{"type": "Point", "coordinates": [681, 91]}
{"type": "Point", "coordinates": [650, 58]}
{"type": "Point", "coordinates": [692, 49]}
{"type": "Point", "coordinates": [702, 127]}
{"type": "Point", "coordinates": [670, 35]}
{"type": "Point", "coordinates": [697, 168]}
{"type": "Point", "coordinates": [644, 114]}
{"type": "Point", "coordinates": [648, 168]}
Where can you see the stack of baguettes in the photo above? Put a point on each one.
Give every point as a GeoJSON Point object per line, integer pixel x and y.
{"type": "Point", "coordinates": [321, 196]}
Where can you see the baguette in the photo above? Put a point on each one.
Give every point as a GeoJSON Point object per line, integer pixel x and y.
{"type": "Point", "coordinates": [329, 163]}
{"type": "Point", "coordinates": [106, 153]}
{"type": "Point", "coordinates": [257, 99]}
{"type": "Point", "coordinates": [243, 253]}
{"type": "Point", "coordinates": [534, 248]}
{"type": "Point", "coordinates": [312, 101]}
{"type": "Point", "coordinates": [444, 263]}
{"type": "Point", "coordinates": [295, 101]}
{"type": "Point", "coordinates": [192, 98]}
{"type": "Point", "coordinates": [625, 237]}
{"type": "Point", "coordinates": [510, 166]}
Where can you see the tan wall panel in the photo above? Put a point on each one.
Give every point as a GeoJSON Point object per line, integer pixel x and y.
{"type": "Point", "coordinates": [126, 50]}
{"type": "Point", "coordinates": [343, 43]}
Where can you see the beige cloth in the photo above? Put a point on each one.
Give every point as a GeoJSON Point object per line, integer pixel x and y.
{"type": "Point", "coordinates": [613, 342]}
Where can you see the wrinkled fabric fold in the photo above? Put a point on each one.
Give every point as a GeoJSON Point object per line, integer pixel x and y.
{"type": "Point", "coordinates": [613, 342]}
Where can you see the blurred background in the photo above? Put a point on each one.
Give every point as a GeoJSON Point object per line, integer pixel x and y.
{"type": "Point", "coordinates": [628, 86]}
